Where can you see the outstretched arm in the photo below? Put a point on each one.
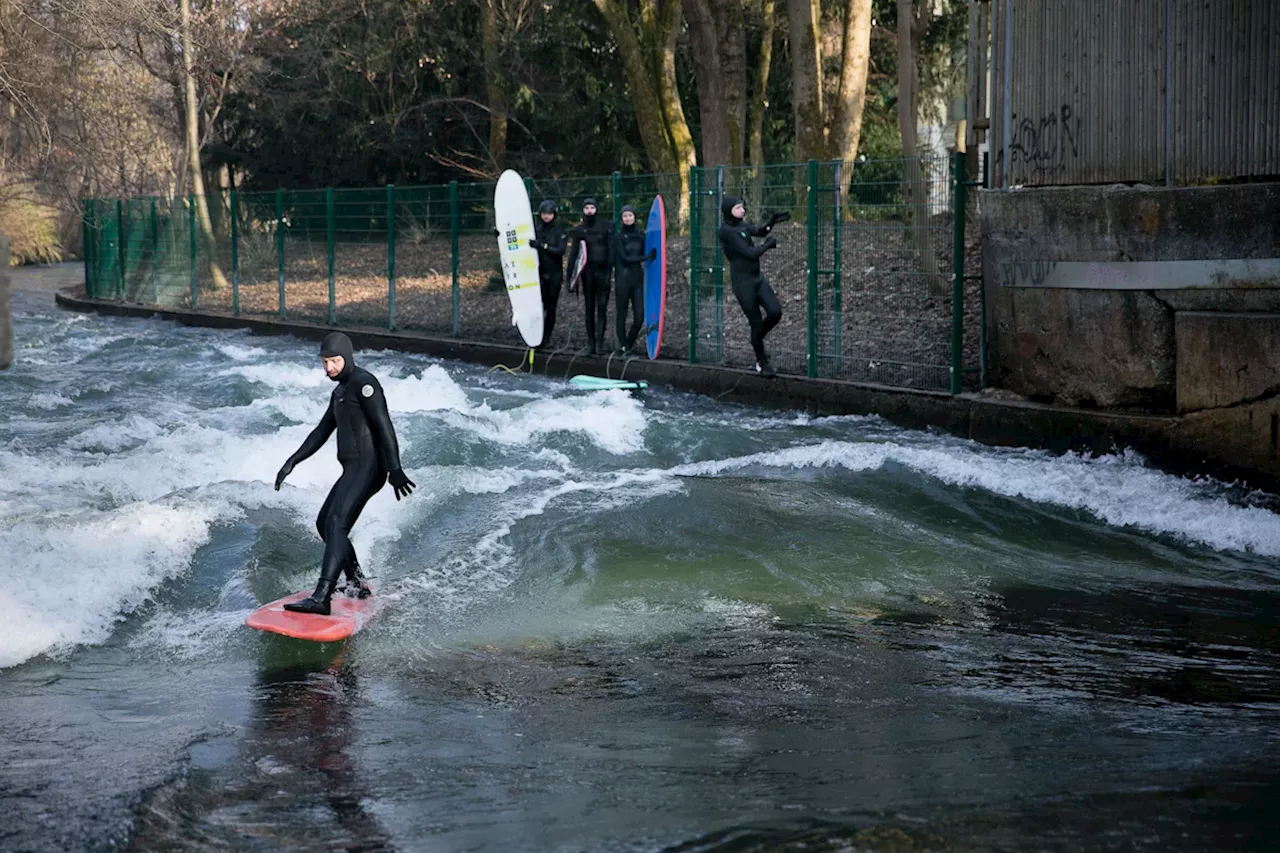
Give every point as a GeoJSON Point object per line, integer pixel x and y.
{"type": "Point", "coordinates": [735, 243]}
{"type": "Point", "coordinates": [310, 444]}
{"type": "Point", "coordinates": [763, 230]}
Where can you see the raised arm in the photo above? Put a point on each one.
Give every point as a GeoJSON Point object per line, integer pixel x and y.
{"type": "Point", "coordinates": [312, 443]}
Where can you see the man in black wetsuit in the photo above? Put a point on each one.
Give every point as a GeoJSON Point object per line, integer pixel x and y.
{"type": "Point", "coordinates": [629, 257]}
{"type": "Point", "coordinates": [749, 285]}
{"type": "Point", "coordinates": [594, 233]}
{"type": "Point", "coordinates": [549, 240]}
{"type": "Point", "coordinates": [370, 457]}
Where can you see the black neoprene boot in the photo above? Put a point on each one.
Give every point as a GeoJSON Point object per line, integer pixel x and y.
{"type": "Point", "coordinates": [356, 586]}
{"type": "Point", "coordinates": [318, 603]}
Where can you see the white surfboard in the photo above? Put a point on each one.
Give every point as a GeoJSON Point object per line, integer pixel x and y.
{"type": "Point", "coordinates": [514, 222]}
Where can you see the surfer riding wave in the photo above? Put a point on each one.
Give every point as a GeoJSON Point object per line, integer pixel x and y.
{"type": "Point", "coordinates": [370, 457]}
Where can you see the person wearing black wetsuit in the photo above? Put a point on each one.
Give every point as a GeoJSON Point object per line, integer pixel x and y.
{"type": "Point", "coordinates": [369, 455]}
{"type": "Point", "coordinates": [549, 240]}
{"type": "Point", "coordinates": [749, 285]}
{"type": "Point", "coordinates": [629, 257]}
{"type": "Point", "coordinates": [594, 233]}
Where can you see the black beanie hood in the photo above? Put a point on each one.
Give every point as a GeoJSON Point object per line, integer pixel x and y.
{"type": "Point", "coordinates": [726, 209]}
{"type": "Point", "coordinates": [336, 343]}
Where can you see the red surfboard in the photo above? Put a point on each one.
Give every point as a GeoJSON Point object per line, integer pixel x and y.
{"type": "Point", "coordinates": [346, 617]}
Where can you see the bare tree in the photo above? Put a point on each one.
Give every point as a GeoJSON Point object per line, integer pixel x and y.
{"type": "Point", "coordinates": [759, 100]}
{"type": "Point", "coordinates": [648, 50]}
{"type": "Point", "coordinates": [803, 17]}
{"type": "Point", "coordinates": [851, 97]}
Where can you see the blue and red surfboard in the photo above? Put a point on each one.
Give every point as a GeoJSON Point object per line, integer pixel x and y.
{"type": "Point", "coordinates": [655, 276]}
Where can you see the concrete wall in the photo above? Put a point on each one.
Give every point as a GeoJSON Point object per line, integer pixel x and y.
{"type": "Point", "coordinates": [1163, 301]}
{"type": "Point", "coordinates": [6, 317]}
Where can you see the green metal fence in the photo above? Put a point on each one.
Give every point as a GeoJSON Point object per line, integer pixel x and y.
{"type": "Point", "coordinates": [875, 277]}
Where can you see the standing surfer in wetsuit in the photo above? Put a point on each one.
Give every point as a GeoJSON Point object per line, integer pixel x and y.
{"type": "Point", "coordinates": [370, 457]}
{"type": "Point", "coordinates": [549, 240]}
{"type": "Point", "coordinates": [594, 233]}
{"type": "Point", "coordinates": [629, 257]}
{"type": "Point", "coordinates": [749, 285]}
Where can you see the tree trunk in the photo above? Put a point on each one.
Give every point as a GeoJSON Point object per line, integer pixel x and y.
{"type": "Point", "coordinates": [686, 155]}
{"type": "Point", "coordinates": [192, 128]}
{"type": "Point", "coordinates": [806, 79]}
{"type": "Point", "coordinates": [759, 104]}
{"type": "Point", "coordinates": [916, 188]}
{"type": "Point", "coordinates": [648, 61]}
{"type": "Point", "coordinates": [712, 107]}
{"type": "Point", "coordinates": [851, 97]}
{"type": "Point", "coordinates": [494, 89]}
{"type": "Point", "coordinates": [732, 30]}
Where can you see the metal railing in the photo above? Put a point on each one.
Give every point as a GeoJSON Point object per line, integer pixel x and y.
{"type": "Point", "coordinates": [871, 269]}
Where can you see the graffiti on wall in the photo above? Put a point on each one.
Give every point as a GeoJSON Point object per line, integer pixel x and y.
{"type": "Point", "coordinates": [1041, 147]}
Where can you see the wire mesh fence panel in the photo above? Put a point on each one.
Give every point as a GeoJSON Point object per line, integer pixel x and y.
{"type": "Point", "coordinates": [863, 270]}
{"type": "Point", "coordinates": [484, 309]}
{"type": "Point", "coordinates": [356, 224]}
{"type": "Point", "coordinates": [258, 243]}
{"type": "Point", "coordinates": [306, 256]}
{"type": "Point", "coordinates": [214, 274]}
{"type": "Point", "coordinates": [422, 258]}
{"type": "Point", "coordinates": [890, 320]}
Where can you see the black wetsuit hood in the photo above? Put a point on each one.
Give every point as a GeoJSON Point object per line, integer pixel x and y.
{"type": "Point", "coordinates": [336, 343]}
{"type": "Point", "coordinates": [727, 204]}
{"type": "Point", "coordinates": [626, 208]}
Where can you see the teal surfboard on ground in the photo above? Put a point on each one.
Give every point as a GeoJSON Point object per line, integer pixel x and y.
{"type": "Point", "coordinates": [655, 276]}
{"type": "Point", "coordinates": [597, 383]}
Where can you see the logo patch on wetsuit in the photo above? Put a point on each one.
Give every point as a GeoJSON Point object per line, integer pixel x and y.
{"type": "Point", "coordinates": [367, 390]}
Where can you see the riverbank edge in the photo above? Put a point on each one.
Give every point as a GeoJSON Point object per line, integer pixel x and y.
{"type": "Point", "coordinates": [976, 416]}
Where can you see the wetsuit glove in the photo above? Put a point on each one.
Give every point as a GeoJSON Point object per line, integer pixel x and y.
{"type": "Point", "coordinates": [402, 484]}
{"type": "Point", "coordinates": [653, 255]}
{"type": "Point", "coordinates": [780, 216]}
{"type": "Point", "coordinates": [533, 244]}
{"type": "Point", "coordinates": [771, 243]}
{"type": "Point", "coordinates": [285, 471]}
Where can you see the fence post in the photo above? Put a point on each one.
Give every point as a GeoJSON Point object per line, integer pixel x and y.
{"type": "Point", "coordinates": [235, 252]}
{"type": "Point", "coordinates": [454, 224]}
{"type": "Point", "coordinates": [695, 257]}
{"type": "Point", "coordinates": [280, 249]}
{"type": "Point", "coordinates": [391, 256]}
{"type": "Point", "coordinates": [957, 271]}
{"type": "Point", "coordinates": [329, 228]}
{"type": "Point", "coordinates": [837, 253]}
{"type": "Point", "coordinates": [86, 248]}
{"type": "Point", "coordinates": [617, 195]}
{"type": "Point", "coordinates": [811, 228]}
{"type": "Point", "coordinates": [121, 254]}
{"type": "Point", "coordinates": [90, 250]}
{"type": "Point", "coordinates": [155, 254]}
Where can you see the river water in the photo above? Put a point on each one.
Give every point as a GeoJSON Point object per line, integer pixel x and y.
{"type": "Point", "coordinates": [609, 622]}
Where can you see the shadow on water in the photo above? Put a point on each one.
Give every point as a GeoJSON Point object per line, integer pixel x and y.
{"type": "Point", "coordinates": [288, 779]}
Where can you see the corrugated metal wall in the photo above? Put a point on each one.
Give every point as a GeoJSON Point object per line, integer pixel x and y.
{"type": "Point", "coordinates": [1153, 91]}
